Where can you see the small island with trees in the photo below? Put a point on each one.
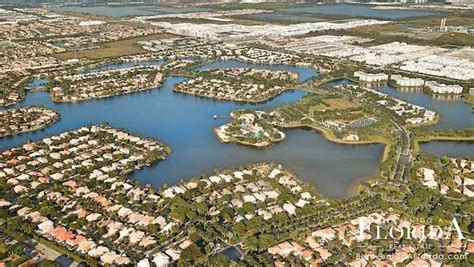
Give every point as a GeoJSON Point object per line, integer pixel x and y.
{"type": "Point", "coordinates": [22, 120]}
{"type": "Point", "coordinates": [250, 127]}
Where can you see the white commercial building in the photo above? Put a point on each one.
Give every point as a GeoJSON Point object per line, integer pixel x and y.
{"type": "Point", "coordinates": [370, 77]}
{"type": "Point", "coordinates": [407, 81]}
{"type": "Point", "coordinates": [440, 88]}
{"type": "Point", "coordinates": [441, 65]}
{"type": "Point", "coordinates": [225, 31]}
{"type": "Point", "coordinates": [91, 23]}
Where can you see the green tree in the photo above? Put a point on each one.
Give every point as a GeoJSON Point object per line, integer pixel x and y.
{"type": "Point", "coordinates": [220, 260]}
{"type": "Point", "coordinates": [3, 249]}
{"type": "Point", "coordinates": [48, 263]}
{"type": "Point", "coordinates": [190, 254]}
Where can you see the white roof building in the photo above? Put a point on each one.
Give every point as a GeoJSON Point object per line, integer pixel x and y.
{"type": "Point", "coordinates": [249, 198]}
{"type": "Point", "coordinates": [91, 22]}
{"type": "Point", "coordinates": [46, 226]}
{"type": "Point", "coordinates": [429, 178]}
{"type": "Point", "coordinates": [289, 208]}
{"type": "Point", "coordinates": [370, 77]}
{"type": "Point", "coordinates": [161, 260]}
{"type": "Point", "coordinates": [407, 81]}
{"type": "Point", "coordinates": [440, 88]}
{"type": "Point", "coordinates": [143, 263]}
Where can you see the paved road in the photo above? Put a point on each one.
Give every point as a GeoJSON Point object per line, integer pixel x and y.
{"type": "Point", "coordinates": [51, 254]}
{"type": "Point", "coordinates": [404, 154]}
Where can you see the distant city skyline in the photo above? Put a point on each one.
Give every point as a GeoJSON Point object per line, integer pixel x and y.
{"type": "Point", "coordinates": [197, 1]}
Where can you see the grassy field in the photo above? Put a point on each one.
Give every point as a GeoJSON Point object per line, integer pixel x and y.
{"type": "Point", "coordinates": [4, 45]}
{"type": "Point", "coordinates": [469, 99]}
{"type": "Point", "coordinates": [332, 104]}
{"type": "Point", "coordinates": [450, 21]}
{"type": "Point", "coordinates": [114, 49]}
{"type": "Point", "coordinates": [339, 103]}
{"type": "Point", "coordinates": [457, 39]}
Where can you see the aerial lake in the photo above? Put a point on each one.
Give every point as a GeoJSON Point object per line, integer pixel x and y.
{"type": "Point", "coordinates": [185, 123]}
{"type": "Point", "coordinates": [448, 148]}
{"type": "Point", "coordinates": [454, 113]}
{"type": "Point", "coordinates": [286, 16]}
{"type": "Point", "coordinates": [360, 11]}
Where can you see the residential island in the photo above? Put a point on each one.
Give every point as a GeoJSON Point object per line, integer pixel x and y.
{"type": "Point", "coordinates": [349, 114]}
{"type": "Point", "coordinates": [245, 85]}
{"type": "Point", "coordinates": [249, 127]}
{"type": "Point", "coordinates": [81, 87]}
{"type": "Point", "coordinates": [22, 120]}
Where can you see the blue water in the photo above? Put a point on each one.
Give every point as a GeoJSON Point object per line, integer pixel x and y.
{"type": "Point", "coordinates": [185, 123]}
{"type": "Point", "coordinates": [38, 82]}
{"type": "Point", "coordinates": [233, 254]}
{"type": "Point", "coordinates": [286, 17]}
{"type": "Point", "coordinates": [454, 114]}
{"type": "Point", "coordinates": [360, 11]}
{"type": "Point", "coordinates": [449, 148]}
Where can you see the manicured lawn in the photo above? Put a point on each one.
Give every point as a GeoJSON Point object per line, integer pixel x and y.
{"type": "Point", "coordinates": [458, 39]}
{"type": "Point", "coordinates": [469, 99]}
{"type": "Point", "coordinates": [115, 49]}
{"type": "Point", "coordinates": [339, 103]}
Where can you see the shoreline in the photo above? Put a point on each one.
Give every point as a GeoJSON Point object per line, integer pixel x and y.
{"type": "Point", "coordinates": [355, 186]}
{"type": "Point", "coordinates": [426, 124]}
{"type": "Point", "coordinates": [353, 189]}
{"type": "Point", "coordinates": [56, 100]}
{"type": "Point", "coordinates": [469, 99]}
{"type": "Point", "coordinates": [240, 100]}
{"type": "Point", "coordinates": [55, 119]}
{"type": "Point", "coordinates": [231, 139]}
